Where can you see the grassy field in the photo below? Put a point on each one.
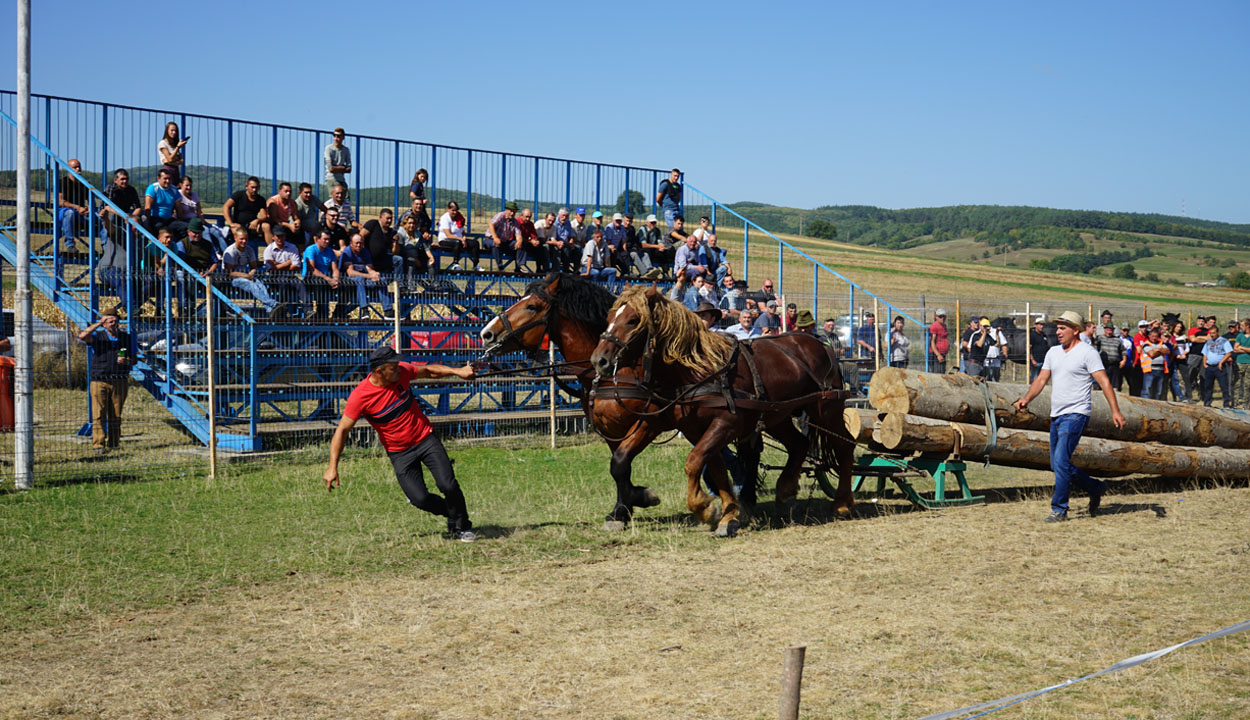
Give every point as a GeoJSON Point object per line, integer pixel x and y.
{"type": "Point", "coordinates": [262, 595]}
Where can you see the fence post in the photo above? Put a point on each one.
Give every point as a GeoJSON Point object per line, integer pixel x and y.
{"type": "Point", "coordinates": [959, 333]}
{"type": "Point", "coordinates": [876, 336]}
{"type": "Point", "coordinates": [468, 196]}
{"type": "Point", "coordinates": [397, 181]}
{"type": "Point", "coordinates": [229, 158]}
{"type": "Point", "coordinates": [551, 390]}
{"type": "Point", "coordinates": [395, 287]}
{"type": "Point", "coordinates": [212, 378]}
{"type": "Point", "coordinates": [792, 682]}
{"type": "Point", "coordinates": [1028, 339]}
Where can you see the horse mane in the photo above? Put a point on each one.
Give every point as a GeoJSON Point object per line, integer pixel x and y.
{"type": "Point", "coordinates": [680, 336]}
{"type": "Point", "coordinates": [577, 298]}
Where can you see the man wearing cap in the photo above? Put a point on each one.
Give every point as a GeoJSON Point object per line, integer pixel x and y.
{"type": "Point", "coordinates": [668, 195]}
{"type": "Point", "coordinates": [1217, 356]}
{"type": "Point", "coordinates": [768, 323]}
{"type": "Point", "coordinates": [656, 244]}
{"type": "Point", "coordinates": [338, 161]}
{"type": "Point", "coordinates": [978, 342]}
{"type": "Point", "coordinates": [579, 226]}
{"type": "Point", "coordinates": [939, 342]}
{"type": "Point", "coordinates": [614, 236]}
{"type": "Point", "coordinates": [1111, 352]}
{"type": "Point", "coordinates": [1075, 367]}
{"type": "Point", "coordinates": [503, 235]}
{"type": "Point", "coordinates": [1039, 344]}
{"type": "Point", "coordinates": [866, 337]}
{"type": "Point", "coordinates": [385, 400]}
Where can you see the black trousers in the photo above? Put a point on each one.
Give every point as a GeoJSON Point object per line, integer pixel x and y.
{"type": "Point", "coordinates": [1212, 374]}
{"type": "Point", "coordinates": [407, 464]}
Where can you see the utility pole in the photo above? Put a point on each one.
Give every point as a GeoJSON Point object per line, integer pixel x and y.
{"type": "Point", "coordinates": [23, 405]}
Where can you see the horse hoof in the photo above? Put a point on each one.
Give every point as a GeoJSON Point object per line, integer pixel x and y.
{"type": "Point", "coordinates": [712, 514]}
{"type": "Point", "coordinates": [614, 525]}
{"type": "Point", "coordinates": [727, 530]}
{"type": "Point", "coordinates": [844, 511]}
{"type": "Point", "coordinates": [647, 498]}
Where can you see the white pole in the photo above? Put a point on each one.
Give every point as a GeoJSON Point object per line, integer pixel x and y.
{"type": "Point", "coordinates": [212, 378]}
{"type": "Point", "coordinates": [23, 401]}
{"type": "Point", "coordinates": [551, 360]}
{"type": "Point", "coordinates": [1028, 340]}
{"type": "Point", "coordinates": [395, 288]}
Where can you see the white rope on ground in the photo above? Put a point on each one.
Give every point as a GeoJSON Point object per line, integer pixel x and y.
{"type": "Point", "coordinates": [999, 704]}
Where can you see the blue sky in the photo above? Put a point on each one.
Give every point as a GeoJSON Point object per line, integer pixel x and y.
{"type": "Point", "coordinates": [1131, 106]}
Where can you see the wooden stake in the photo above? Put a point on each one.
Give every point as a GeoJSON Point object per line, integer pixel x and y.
{"type": "Point", "coordinates": [791, 682]}
{"type": "Point", "coordinates": [1028, 337]}
{"type": "Point", "coordinates": [876, 332]}
{"type": "Point", "coordinates": [959, 333]}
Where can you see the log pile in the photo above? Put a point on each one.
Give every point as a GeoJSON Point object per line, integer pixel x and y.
{"type": "Point", "coordinates": [916, 412]}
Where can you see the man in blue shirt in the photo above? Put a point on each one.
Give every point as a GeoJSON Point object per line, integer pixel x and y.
{"type": "Point", "coordinates": [357, 264]}
{"type": "Point", "coordinates": [614, 236]}
{"type": "Point", "coordinates": [158, 205]}
{"type": "Point", "coordinates": [866, 337]}
{"type": "Point", "coordinates": [745, 329]}
{"type": "Point", "coordinates": [1217, 356]}
{"type": "Point", "coordinates": [669, 196]}
{"type": "Point", "coordinates": [690, 260]}
{"type": "Point", "coordinates": [323, 278]}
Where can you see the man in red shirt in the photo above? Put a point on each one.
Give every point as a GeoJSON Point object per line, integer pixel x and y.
{"type": "Point", "coordinates": [384, 399]}
{"type": "Point", "coordinates": [939, 342]}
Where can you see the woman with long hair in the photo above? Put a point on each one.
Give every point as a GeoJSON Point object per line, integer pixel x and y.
{"type": "Point", "coordinates": [170, 150]}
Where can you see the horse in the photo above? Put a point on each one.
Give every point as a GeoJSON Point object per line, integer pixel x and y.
{"type": "Point", "coordinates": [728, 389]}
{"type": "Point", "coordinates": [1016, 337]}
{"type": "Point", "coordinates": [572, 310]}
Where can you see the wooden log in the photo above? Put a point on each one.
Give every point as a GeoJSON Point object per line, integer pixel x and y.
{"type": "Point", "coordinates": [1031, 449]}
{"type": "Point", "coordinates": [960, 398]}
{"type": "Point", "coordinates": [859, 422]}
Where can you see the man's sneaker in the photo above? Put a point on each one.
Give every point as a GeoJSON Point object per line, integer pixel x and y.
{"type": "Point", "coordinates": [1095, 501]}
{"type": "Point", "coordinates": [1057, 516]}
{"type": "Point", "coordinates": [454, 266]}
{"type": "Point", "coordinates": [466, 536]}
{"type": "Point", "coordinates": [479, 268]}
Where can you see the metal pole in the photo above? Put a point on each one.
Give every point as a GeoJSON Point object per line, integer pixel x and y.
{"type": "Point", "coordinates": [23, 401]}
{"type": "Point", "coordinates": [1028, 339]}
{"type": "Point", "coordinates": [212, 379]}
{"type": "Point", "coordinates": [395, 287]}
{"type": "Point", "coordinates": [959, 333]}
{"type": "Point", "coordinates": [551, 390]}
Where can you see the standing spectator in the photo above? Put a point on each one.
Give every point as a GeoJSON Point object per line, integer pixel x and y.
{"type": "Point", "coordinates": [283, 212]}
{"type": "Point", "coordinates": [321, 273]}
{"type": "Point", "coordinates": [1193, 367]}
{"type": "Point", "coordinates": [866, 337]}
{"type": "Point", "coordinates": [1105, 319]}
{"type": "Point", "coordinates": [124, 196]}
{"type": "Point", "coordinates": [383, 244]}
{"type": "Point", "coordinates": [338, 201]}
{"type": "Point", "coordinates": [1111, 352]}
{"type": "Point", "coordinates": [978, 343]}
{"type": "Point", "coordinates": [1132, 371]}
{"type": "Point", "coordinates": [717, 258]}
{"type": "Point", "coordinates": [900, 344]}
{"type": "Point", "coordinates": [1176, 339]}
{"type": "Point", "coordinates": [1231, 336]}
{"type": "Point", "coordinates": [170, 151]}
{"type": "Point", "coordinates": [995, 355]}
{"type": "Point", "coordinates": [338, 162]}
{"type": "Point", "coordinates": [240, 264]}
{"type": "Point", "coordinates": [1217, 354]}
{"type": "Point", "coordinates": [1075, 367]}
{"type": "Point", "coordinates": [415, 247]}
{"type": "Point", "coordinates": [340, 236]}
{"type": "Point", "coordinates": [110, 372]}
{"type": "Point", "coordinates": [690, 260]}
{"type": "Point", "coordinates": [503, 235]}
{"type": "Point", "coordinates": [246, 209]}
{"type": "Point", "coordinates": [595, 260]}
{"type": "Point", "coordinates": [358, 265]}
{"type": "Point", "coordinates": [416, 188]}
{"type": "Point", "coordinates": [159, 201]}
{"type": "Point", "coordinates": [73, 202]}
{"type": "Point", "coordinates": [1087, 336]}
{"type": "Point", "coordinates": [1234, 328]}
{"type": "Point", "coordinates": [939, 342]}
{"type": "Point", "coordinates": [1039, 345]}
{"type": "Point", "coordinates": [657, 245]}
{"type": "Point", "coordinates": [974, 323]}
{"type": "Point", "coordinates": [669, 197]}
{"type": "Point", "coordinates": [309, 208]}
{"type": "Point", "coordinates": [452, 238]}
{"type": "Point", "coordinates": [532, 246]}
{"type": "Point", "coordinates": [283, 267]}
{"type": "Point", "coordinates": [1241, 348]}
{"type": "Point", "coordinates": [1153, 359]}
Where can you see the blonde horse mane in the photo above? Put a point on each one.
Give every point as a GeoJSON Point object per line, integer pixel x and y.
{"type": "Point", "coordinates": [680, 337]}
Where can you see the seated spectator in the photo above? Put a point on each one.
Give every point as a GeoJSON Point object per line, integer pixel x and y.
{"type": "Point", "coordinates": [595, 260]}
{"type": "Point", "coordinates": [636, 255]}
{"type": "Point", "coordinates": [745, 328]}
{"type": "Point", "coordinates": [417, 208]}
{"type": "Point", "coordinates": [596, 223]}
{"type": "Point", "coordinates": [73, 203]}
{"type": "Point", "coordinates": [531, 245]}
{"type": "Point", "coordinates": [503, 235]}
{"type": "Point", "coordinates": [340, 235]}
{"type": "Point", "coordinates": [452, 238]}
{"type": "Point", "coordinates": [246, 209]}
{"type": "Point", "coordinates": [579, 226]}
{"type": "Point", "coordinates": [702, 232]}
{"type": "Point", "coordinates": [124, 196]}
{"type": "Point", "coordinates": [717, 258]}
{"type": "Point", "coordinates": [805, 323]}
{"type": "Point", "coordinates": [677, 231]}
{"type": "Point", "coordinates": [159, 284]}
{"type": "Point", "coordinates": [284, 213]}
{"type": "Point", "coordinates": [763, 295]}
{"type": "Point", "coordinates": [358, 265]}
{"type": "Point", "coordinates": [323, 278]}
{"type": "Point", "coordinates": [563, 249]}
{"type": "Point", "coordinates": [414, 245]}
{"type": "Point", "coordinates": [657, 245]}
{"type": "Point", "coordinates": [792, 316]}
{"type": "Point", "coordinates": [690, 260]}
{"type": "Point", "coordinates": [685, 292]}
{"type": "Point", "coordinates": [828, 334]}
{"type": "Point", "coordinates": [614, 236]}
{"type": "Point", "coordinates": [309, 210]}
{"type": "Point", "coordinates": [338, 201]}
{"type": "Point", "coordinates": [198, 250]}
{"type": "Point", "coordinates": [284, 271]}
{"type": "Point", "coordinates": [768, 322]}
{"type": "Point", "coordinates": [187, 205]}
{"type": "Point", "coordinates": [545, 229]}
{"type": "Point", "coordinates": [705, 289]}
{"type": "Point", "coordinates": [383, 244]}
{"type": "Point", "coordinates": [240, 265]}
{"type": "Point", "coordinates": [709, 314]}
{"type": "Point", "coordinates": [733, 298]}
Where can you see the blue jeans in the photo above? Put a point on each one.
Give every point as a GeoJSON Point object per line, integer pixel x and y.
{"type": "Point", "coordinates": [68, 218]}
{"type": "Point", "coordinates": [669, 215]}
{"type": "Point", "coordinates": [1065, 433]}
{"type": "Point", "coordinates": [607, 275]}
{"type": "Point", "coordinates": [362, 292]}
{"type": "Point", "coordinates": [721, 271]}
{"type": "Point", "coordinates": [1152, 384]}
{"type": "Point", "coordinates": [256, 289]}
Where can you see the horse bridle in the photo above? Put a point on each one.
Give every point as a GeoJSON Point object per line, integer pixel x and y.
{"type": "Point", "coordinates": [511, 333]}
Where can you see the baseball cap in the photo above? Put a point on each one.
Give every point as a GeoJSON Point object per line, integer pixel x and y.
{"type": "Point", "coordinates": [279, 231]}
{"type": "Point", "coordinates": [941, 312]}
{"type": "Point", "coordinates": [382, 356]}
{"type": "Point", "coordinates": [196, 225]}
{"type": "Point", "coordinates": [617, 216]}
{"type": "Point", "coordinates": [1143, 323]}
{"type": "Point", "coordinates": [771, 303]}
{"type": "Point", "coordinates": [1107, 312]}
{"type": "Point", "coordinates": [581, 211]}
{"type": "Point", "coordinates": [597, 214]}
{"type": "Point", "coordinates": [1039, 320]}
{"type": "Point", "coordinates": [985, 322]}
{"type": "Point", "coordinates": [652, 218]}
{"type": "Point", "coordinates": [869, 315]}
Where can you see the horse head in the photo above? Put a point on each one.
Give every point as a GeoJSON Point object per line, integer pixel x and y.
{"type": "Point", "coordinates": [521, 327]}
{"type": "Point", "coordinates": [627, 319]}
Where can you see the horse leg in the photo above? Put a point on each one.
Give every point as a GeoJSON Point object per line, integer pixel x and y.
{"type": "Point", "coordinates": [717, 472]}
{"type": "Point", "coordinates": [628, 495]}
{"type": "Point", "coordinates": [706, 450]}
{"type": "Point", "coordinates": [796, 445]}
{"type": "Point", "coordinates": [844, 452]}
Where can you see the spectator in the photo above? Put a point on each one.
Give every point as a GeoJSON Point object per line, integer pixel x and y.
{"type": "Point", "coordinates": [706, 291]}
{"type": "Point", "coordinates": [866, 337]}
{"type": "Point", "coordinates": [321, 273]}
{"type": "Point", "coordinates": [338, 162]}
{"type": "Point", "coordinates": [657, 245]}
{"type": "Point", "coordinates": [340, 236]}
{"type": "Point", "coordinates": [240, 265]}
{"type": "Point", "coordinates": [531, 245]}
{"type": "Point", "coordinates": [792, 316]}
{"type": "Point", "coordinates": [614, 237]}
{"type": "Point", "coordinates": [684, 292]}
{"type": "Point", "coordinates": [110, 373]}
{"type": "Point", "coordinates": [170, 151]}
{"type": "Point", "coordinates": [1217, 355]}
{"type": "Point", "coordinates": [416, 188]}
{"type": "Point", "coordinates": [709, 314]}
{"type": "Point", "coordinates": [452, 238]}
{"type": "Point", "coordinates": [503, 236]}
{"type": "Point", "coordinates": [594, 260]}
{"type": "Point", "coordinates": [1087, 335]}
{"type": "Point", "coordinates": [199, 251]}
{"type": "Point", "coordinates": [309, 210]}
{"type": "Point", "coordinates": [1231, 336]}
{"type": "Point", "coordinates": [828, 334]}
{"type": "Point", "coordinates": [188, 204]}
{"type": "Point", "coordinates": [424, 224]}
{"type": "Point", "coordinates": [338, 201]}
{"type": "Point", "coordinates": [978, 342]}
{"type": "Point", "coordinates": [1111, 352]}
{"type": "Point", "coordinates": [563, 250]}
{"type": "Point", "coordinates": [677, 233]}
{"type": "Point", "coordinates": [939, 342]}
{"type": "Point", "coordinates": [690, 260]}
{"type": "Point", "coordinates": [1130, 373]}
{"type": "Point", "coordinates": [995, 354]}
{"type": "Point", "coordinates": [156, 282]}
{"type": "Point", "coordinates": [1039, 345]}
{"type": "Point", "coordinates": [669, 197]}
{"type": "Point", "coordinates": [383, 244]}
{"type": "Point", "coordinates": [704, 230]}
{"type": "Point", "coordinates": [414, 245]}
{"type": "Point", "coordinates": [124, 196]}
{"type": "Point", "coordinates": [579, 226]}
{"type": "Point", "coordinates": [1153, 358]}
{"type": "Point", "coordinates": [159, 201]}
{"type": "Point", "coordinates": [283, 212]}
{"type": "Point", "coordinates": [596, 223]}
{"type": "Point", "coordinates": [745, 329]}
{"type": "Point", "coordinates": [545, 229]}
{"type": "Point", "coordinates": [73, 202]}
{"type": "Point", "coordinates": [900, 344]}
{"type": "Point", "coordinates": [717, 258]}
{"type": "Point", "coordinates": [1193, 373]}
{"type": "Point", "coordinates": [1241, 348]}
{"type": "Point", "coordinates": [634, 257]}
{"type": "Point", "coordinates": [358, 265]}
{"type": "Point", "coordinates": [767, 322]}
{"type": "Point", "coordinates": [283, 268]}
{"type": "Point", "coordinates": [1233, 329]}
{"type": "Point", "coordinates": [732, 299]}
{"type": "Point", "coordinates": [246, 209]}
{"type": "Point", "coordinates": [1178, 343]}
{"type": "Point", "coordinates": [805, 323]}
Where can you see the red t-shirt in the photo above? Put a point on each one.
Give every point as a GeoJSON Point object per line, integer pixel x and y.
{"type": "Point", "coordinates": [391, 410]}
{"type": "Point", "coordinates": [941, 341]}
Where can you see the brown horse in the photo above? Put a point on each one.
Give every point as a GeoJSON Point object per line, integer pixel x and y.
{"type": "Point", "coordinates": [572, 310]}
{"type": "Point", "coordinates": [729, 389]}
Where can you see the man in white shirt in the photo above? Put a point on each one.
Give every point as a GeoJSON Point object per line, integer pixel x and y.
{"type": "Point", "coordinates": [283, 268]}
{"type": "Point", "coordinates": [1073, 364]}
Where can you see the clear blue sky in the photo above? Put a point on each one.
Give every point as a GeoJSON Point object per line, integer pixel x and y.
{"type": "Point", "coordinates": [1126, 106]}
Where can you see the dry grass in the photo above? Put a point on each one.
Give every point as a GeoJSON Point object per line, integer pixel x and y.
{"type": "Point", "coordinates": [903, 613]}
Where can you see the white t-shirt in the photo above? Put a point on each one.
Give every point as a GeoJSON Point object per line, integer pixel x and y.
{"type": "Point", "coordinates": [997, 339]}
{"type": "Point", "coordinates": [285, 255]}
{"type": "Point", "coordinates": [447, 228]}
{"type": "Point", "coordinates": [1072, 377]}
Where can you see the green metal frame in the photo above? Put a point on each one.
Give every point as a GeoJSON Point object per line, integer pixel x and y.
{"type": "Point", "coordinates": [898, 469]}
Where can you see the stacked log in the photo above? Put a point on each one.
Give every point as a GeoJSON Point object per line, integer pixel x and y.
{"type": "Point", "coordinates": [930, 413]}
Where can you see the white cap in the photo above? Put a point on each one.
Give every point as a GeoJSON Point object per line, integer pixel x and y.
{"type": "Point", "coordinates": [617, 216]}
{"type": "Point", "coordinates": [652, 218]}
{"type": "Point", "coordinates": [941, 312]}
